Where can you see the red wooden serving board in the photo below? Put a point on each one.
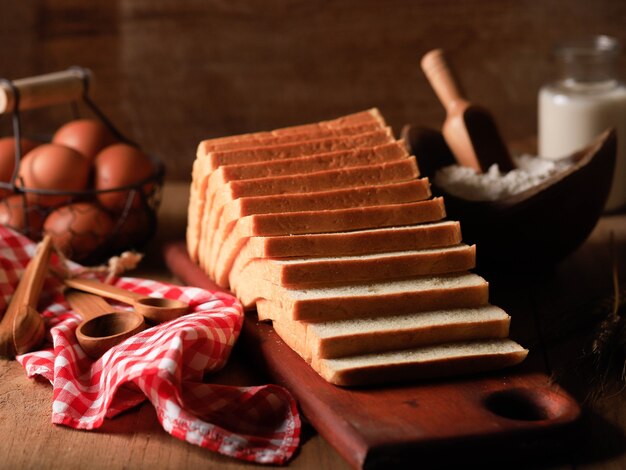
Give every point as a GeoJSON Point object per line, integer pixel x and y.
{"type": "Point", "coordinates": [508, 416]}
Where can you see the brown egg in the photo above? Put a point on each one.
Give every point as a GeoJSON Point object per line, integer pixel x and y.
{"type": "Point", "coordinates": [21, 217]}
{"type": "Point", "coordinates": [53, 167]}
{"type": "Point", "coordinates": [7, 159]}
{"type": "Point", "coordinates": [86, 136]}
{"type": "Point", "coordinates": [79, 229]}
{"type": "Point", "coordinates": [121, 165]}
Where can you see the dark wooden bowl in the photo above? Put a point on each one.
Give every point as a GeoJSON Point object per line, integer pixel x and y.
{"type": "Point", "coordinates": [537, 228]}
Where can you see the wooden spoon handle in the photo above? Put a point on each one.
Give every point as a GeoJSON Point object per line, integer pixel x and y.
{"type": "Point", "coordinates": [87, 305]}
{"type": "Point", "coordinates": [38, 269]}
{"type": "Point", "coordinates": [105, 290]}
{"type": "Point", "coordinates": [44, 90]}
{"type": "Point", "coordinates": [26, 295]}
{"type": "Point", "coordinates": [441, 78]}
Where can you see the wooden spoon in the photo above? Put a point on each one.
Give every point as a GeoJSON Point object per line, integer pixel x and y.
{"type": "Point", "coordinates": [154, 309]}
{"type": "Point", "coordinates": [102, 326]}
{"type": "Point", "coordinates": [469, 130]}
{"type": "Point", "coordinates": [21, 328]}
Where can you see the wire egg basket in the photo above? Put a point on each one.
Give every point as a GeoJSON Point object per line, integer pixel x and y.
{"type": "Point", "coordinates": [128, 227]}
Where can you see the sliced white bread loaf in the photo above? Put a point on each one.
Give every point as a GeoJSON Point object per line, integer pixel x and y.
{"type": "Point", "coordinates": [287, 211]}
{"type": "Point", "coordinates": [342, 338]}
{"type": "Point", "coordinates": [318, 272]}
{"type": "Point", "coordinates": [212, 235]}
{"type": "Point", "coordinates": [339, 220]}
{"type": "Point", "coordinates": [464, 290]}
{"type": "Point", "coordinates": [416, 364]}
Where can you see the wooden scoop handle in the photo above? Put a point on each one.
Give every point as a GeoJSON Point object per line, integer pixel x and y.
{"type": "Point", "coordinates": [442, 79]}
{"type": "Point", "coordinates": [87, 305]}
{"type": "Point", "coordinates": [44, 90]}
{"type": "Point", "coordinates": [104, 290]}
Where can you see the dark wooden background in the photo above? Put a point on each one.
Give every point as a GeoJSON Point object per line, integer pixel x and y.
{"type": "Point", "coordinates": [173, 72]}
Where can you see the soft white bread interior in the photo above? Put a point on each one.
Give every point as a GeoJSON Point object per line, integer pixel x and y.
{"type": "Point", "coordinates": [459, 290]}
{"type": "Point", "coordinates": [359, 336]}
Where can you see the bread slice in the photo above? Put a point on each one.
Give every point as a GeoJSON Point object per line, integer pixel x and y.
{"type": "Point", "coordinates": [441, 360]}
{"type": "Point", "coordinates": [217, 158]}
{"type": "Point", "coordinates": [319, 222]}
{"type": "Point", "coordinates": [342, 338]}
{"type": "Point", "coordinates": [312, 163]}
{"type": "Point", "coordinates": [318, 272]}
{"type": "Point", "coordinates": [397, 170]}
{"type": "Point", "coordinates": [261, 141]}
{"type": "Point", "coordinates": [213, 235]}
{"type": "Point", "coordinates": [363, 117]}
{"type": "Point", "coordinates": [384, 298]}
{"type": "Point", "coordinates": [357, 196]}
{"type": "Point", "coordinates": [379, 240]}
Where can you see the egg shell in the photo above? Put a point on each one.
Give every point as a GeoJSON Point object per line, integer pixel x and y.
{"type": "Point", "coordinates": [22, 217]}
{"type": "Point", "coordinates": [7, 158]}
{"type": "Point", "coordinates": [121, 165]}
{"type": "Point", "coordinates": [53, 167]}
{"type": "Point", "coordinates": [86, 136]}
{"type": "Point", "coordinates": [79, 229]}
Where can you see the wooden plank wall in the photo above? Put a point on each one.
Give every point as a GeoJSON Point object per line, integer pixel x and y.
{"type": "Point", "coordinates": [172, 72]}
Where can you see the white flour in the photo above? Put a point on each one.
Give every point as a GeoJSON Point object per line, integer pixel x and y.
{"type": "Point", "coordinates": [492, 185]}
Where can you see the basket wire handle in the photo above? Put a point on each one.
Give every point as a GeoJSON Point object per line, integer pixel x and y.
{"type": "Point", "coordinates": [17, 126]}
{"type": "Point", "coordinates": [85, 76]}
{"type": "Point", "coordinates": [70, 85]}
{"type": "Point", "coordinates": [43, 90]}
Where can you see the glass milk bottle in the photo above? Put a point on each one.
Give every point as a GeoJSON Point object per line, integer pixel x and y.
{"type": "Point", "coordinates": [586, 100]}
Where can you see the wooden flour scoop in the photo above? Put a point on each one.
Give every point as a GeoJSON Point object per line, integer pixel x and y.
{"type": "Point", "coordinates": [469, 130]}
{"type": "Point", "coordinates": [21, 328]}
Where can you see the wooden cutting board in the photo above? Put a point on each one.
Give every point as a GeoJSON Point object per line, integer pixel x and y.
{"type": "Point", "coordinates": [508, 416]}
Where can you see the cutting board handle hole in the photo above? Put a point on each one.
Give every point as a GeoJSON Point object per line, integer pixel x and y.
{"type": "Point", "coordinates": [523, 404]}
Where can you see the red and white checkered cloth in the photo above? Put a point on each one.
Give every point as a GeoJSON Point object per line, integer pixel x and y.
{"type": "Point", "coordinates": [164, 364]}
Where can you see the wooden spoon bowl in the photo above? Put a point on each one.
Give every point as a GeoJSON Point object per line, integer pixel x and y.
{"type": "Point", "coordinates": [98, 335]}
{"type": "Point", "coordinates": [538, 227]}
{"type": "Point", "coordinates": [102, 327]}
{"type": "Point", "coordinates": [159, 310]}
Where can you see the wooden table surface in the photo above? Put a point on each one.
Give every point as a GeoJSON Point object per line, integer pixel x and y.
{"type": "Point", "coordinates": [557, 305]}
